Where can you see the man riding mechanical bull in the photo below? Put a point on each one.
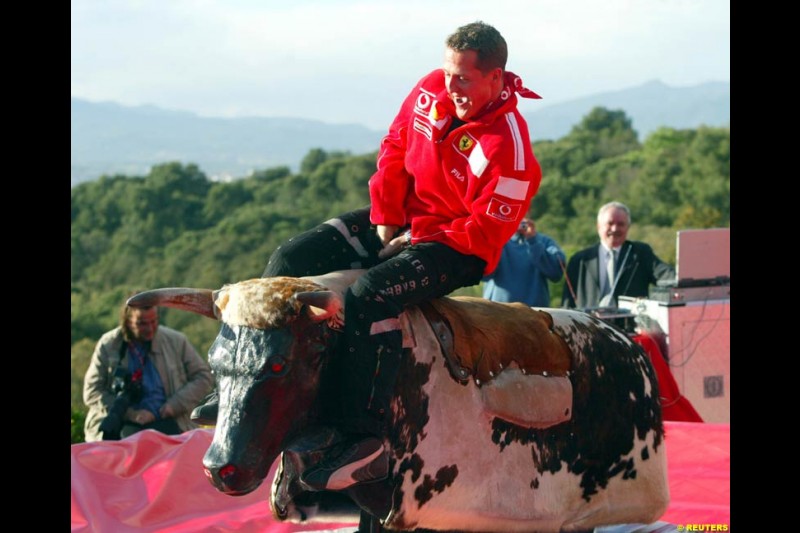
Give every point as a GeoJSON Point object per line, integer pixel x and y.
{"type": "Point", "coordinates": [455, 175]}
{"type": "Point", "coordinates": [347, 362]}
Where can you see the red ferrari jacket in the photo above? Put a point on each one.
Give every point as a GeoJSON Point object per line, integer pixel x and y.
{"type": "Point", "coordinates": [467, 188]}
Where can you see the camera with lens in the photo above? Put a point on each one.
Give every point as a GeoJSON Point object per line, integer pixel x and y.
{"type": "Point", "coordinates": [127, 390]}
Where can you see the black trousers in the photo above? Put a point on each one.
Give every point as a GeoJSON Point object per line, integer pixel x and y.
{"type": "Point", "coordinates": [372, 338]}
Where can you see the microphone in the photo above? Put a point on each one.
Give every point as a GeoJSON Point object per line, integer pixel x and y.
{"type": "Point", "coordinates": [566, 278]}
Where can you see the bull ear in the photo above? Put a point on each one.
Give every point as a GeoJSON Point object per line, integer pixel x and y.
{"type": "Point", "coordinates": [321, 304]}
{"type": "Point", "coordinates": [200, 301]}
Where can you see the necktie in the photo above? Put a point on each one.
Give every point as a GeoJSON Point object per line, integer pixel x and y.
{"type": "Point", "coordinates": [612, 257]}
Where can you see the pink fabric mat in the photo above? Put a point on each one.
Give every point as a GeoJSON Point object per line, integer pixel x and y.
{"type": "Point", "coordinates": [154, 482]}
{"type": "Point", "coordinates": [699, 469]}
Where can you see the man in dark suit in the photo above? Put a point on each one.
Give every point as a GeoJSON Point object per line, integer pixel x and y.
{"type": "Point", "coordinates": [597, 275]}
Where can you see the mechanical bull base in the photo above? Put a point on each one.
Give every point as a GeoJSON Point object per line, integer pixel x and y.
{"type": "Point", "coordinates": [455, 464]}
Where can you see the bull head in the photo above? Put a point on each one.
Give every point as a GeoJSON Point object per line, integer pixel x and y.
{"type": "Point", "coordinates": [267, 360]}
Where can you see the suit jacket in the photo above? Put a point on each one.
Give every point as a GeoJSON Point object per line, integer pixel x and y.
{"type": "Point", "coordinates": [641, 269]}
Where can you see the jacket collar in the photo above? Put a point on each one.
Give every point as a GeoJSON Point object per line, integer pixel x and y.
{"type": "Point", "coordinates": [602, 247]}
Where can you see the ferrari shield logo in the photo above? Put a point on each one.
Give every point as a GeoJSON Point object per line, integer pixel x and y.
{"type": "Point", "coordinates": [465, 143]}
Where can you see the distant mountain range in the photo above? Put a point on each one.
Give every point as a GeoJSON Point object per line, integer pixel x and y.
{"type": "Point", "coordinates": [108, 138]}
{"type": "Point", "coordinates": [649, 106]}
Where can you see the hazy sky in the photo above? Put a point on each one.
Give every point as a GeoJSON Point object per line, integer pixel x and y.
{"type": "Point", "coordinates": [355, 60]}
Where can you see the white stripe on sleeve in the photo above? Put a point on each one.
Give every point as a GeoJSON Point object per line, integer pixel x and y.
{"type": "Point", "coordinates": [519, 152]}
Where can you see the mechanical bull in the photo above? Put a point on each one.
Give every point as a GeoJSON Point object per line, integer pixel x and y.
{"type": "Point", "coordinates": [493, 428]}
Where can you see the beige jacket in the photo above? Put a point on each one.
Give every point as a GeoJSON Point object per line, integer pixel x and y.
{"type": "Point", "coordinates": [186, 376]}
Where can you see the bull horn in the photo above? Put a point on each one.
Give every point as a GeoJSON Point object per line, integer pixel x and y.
{"type": "Point", "coordinates": [321, 304]}
{"type": "Point", "coordinates": [200, 301]}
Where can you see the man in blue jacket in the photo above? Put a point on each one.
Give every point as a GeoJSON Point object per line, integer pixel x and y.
{"type": "Point", "coordinates": [529, 259]}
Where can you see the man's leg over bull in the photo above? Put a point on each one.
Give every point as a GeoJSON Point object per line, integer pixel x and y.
{"type": "Point", "coordinates": [370, 356]}
{"type": "Point", "coordinates": [372, 330]}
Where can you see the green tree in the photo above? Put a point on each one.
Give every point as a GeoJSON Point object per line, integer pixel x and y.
{"type": "Point", "coordinates": [272, 174]}
{"type": "Point", "coordinates": [312, 160]}
{"type": "Point", "coordinates": [225, 198]}
{"type": "Point", "coordinates": [601, 134]}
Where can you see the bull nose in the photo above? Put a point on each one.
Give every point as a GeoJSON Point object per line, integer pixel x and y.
{"type": "Point", "coordinates": [225, 473]}
{"type": "Point", "coordinates": [220, 475]}
{"type": "Point", "coordinates": [230, 480]}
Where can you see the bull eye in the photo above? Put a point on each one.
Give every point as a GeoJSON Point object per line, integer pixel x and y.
{"type": "Point", "coordinates": [277, 365]}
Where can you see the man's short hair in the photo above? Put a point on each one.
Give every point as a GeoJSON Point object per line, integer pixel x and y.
{"type": "Point", "coordinates": [614, 205]}
{"type": "Point", "coordinates": [485, 40]}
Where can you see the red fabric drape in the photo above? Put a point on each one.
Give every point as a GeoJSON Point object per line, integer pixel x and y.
{"type": "Point", "coordinates": [674, 405]}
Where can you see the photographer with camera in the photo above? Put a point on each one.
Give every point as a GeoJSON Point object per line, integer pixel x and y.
{"type": "Point", "coordinates": [529, 259]}
{"type": "Point", "coordinates": [143, 376]}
